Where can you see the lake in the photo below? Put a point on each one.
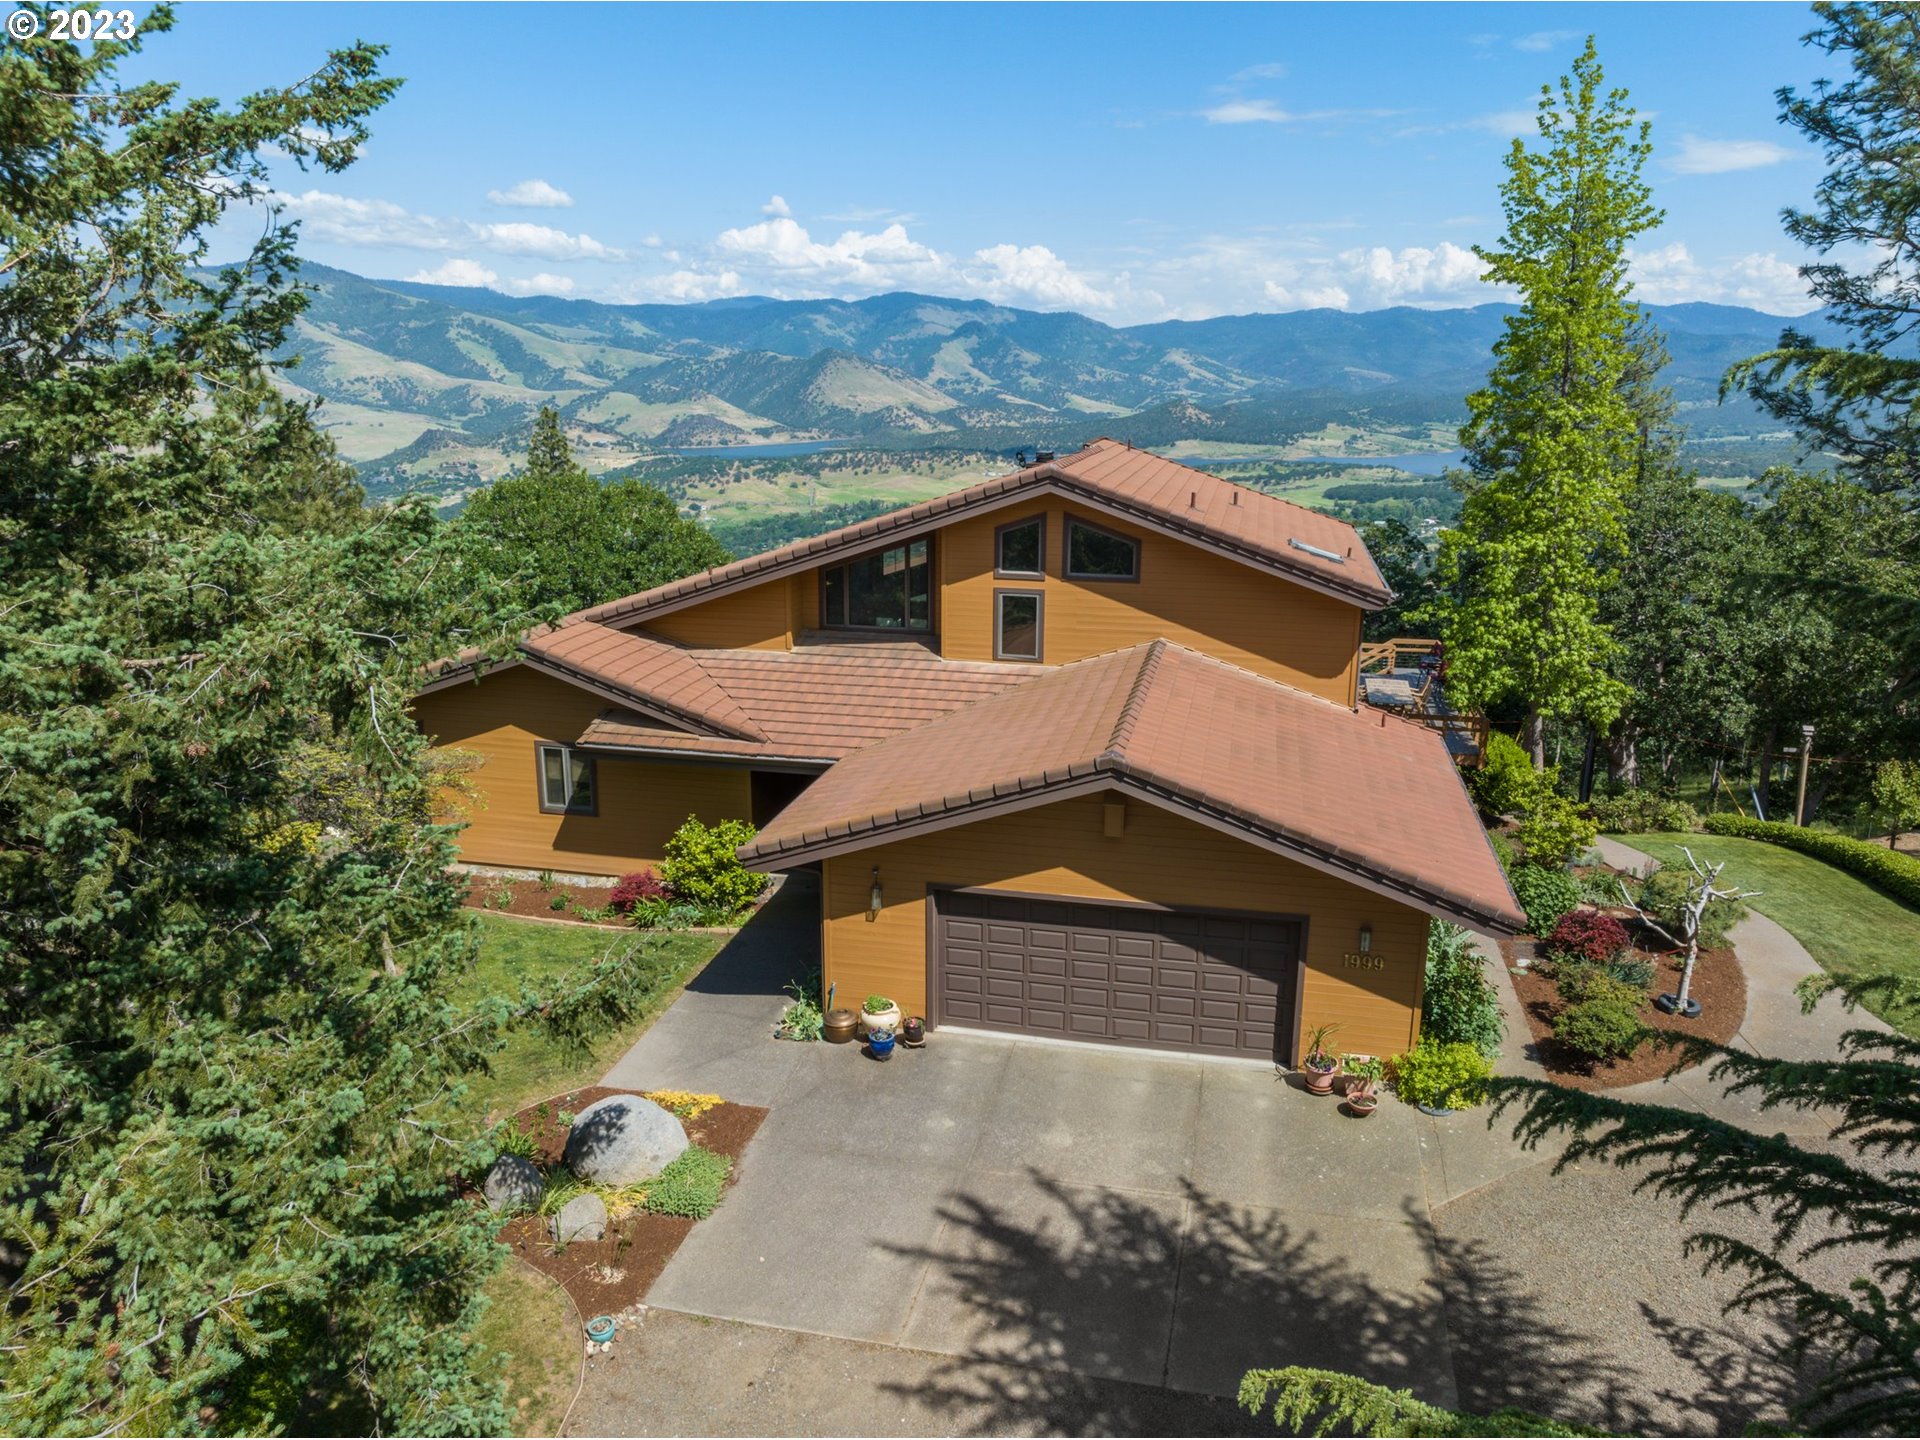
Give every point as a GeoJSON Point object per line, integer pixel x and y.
{"type": "Point", "coordinates": [1427, 462]}
{"type": "Point", "coordinates": [775, 450]}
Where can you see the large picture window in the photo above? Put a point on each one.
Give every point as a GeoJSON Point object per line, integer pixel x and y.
{"type": "Point", "coordinates": [882, 590]}
{"type": "Point", "coordinates": [1016, 624]}
{"type": "Point", "coordinates": [1020, 548]}
{"type": "Point", "coordinates": [566, 781]}
{"type": "Point", "coordinates": [1096, 554]}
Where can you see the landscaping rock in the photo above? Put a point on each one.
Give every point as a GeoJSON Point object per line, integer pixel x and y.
{"type": "Point", "coordinates": [513, 1184]}
{"type": "Point", "coordinates": [623, 1140]}
{"type": "Point", "coordinates": [582, 1218]}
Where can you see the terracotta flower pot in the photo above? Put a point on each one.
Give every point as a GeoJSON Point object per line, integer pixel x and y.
{"type": "Point", "coordinates": [1320, 1082]}
{"type": "Point", "coordinates": [1362, 1102]}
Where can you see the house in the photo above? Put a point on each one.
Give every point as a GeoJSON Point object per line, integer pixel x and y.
{"type": "Point", "coordinates": [1077, 752]}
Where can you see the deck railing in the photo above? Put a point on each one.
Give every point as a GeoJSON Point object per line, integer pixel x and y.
{"type": "Point", "coordinates": [1401, 653]}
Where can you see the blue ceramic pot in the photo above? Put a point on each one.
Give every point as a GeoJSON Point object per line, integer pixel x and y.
{"type": "Point", "coordinates": [881, 1042]}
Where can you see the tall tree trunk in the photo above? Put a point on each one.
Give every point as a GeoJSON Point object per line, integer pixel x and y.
{"type": "Point", "coordinates": [1623, 757]}
{"type": "Point", "coordinates": [1533, 738]}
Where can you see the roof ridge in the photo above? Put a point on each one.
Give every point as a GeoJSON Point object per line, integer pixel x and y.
{"type": "Point", "coordinates": [1136, 697]}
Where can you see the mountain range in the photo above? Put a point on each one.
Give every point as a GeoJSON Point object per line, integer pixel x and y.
{"type": "Point", "coordinates": [440, 384]}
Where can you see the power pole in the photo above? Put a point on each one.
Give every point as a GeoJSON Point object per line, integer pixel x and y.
{"type": "Point", "coordinates": [1806, 752]}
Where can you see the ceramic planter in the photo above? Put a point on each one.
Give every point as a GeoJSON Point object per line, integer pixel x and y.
{"type": "Point", "coordinates": [1320, 1082]}
{"type": "Point", "coordinates": [880, 1041]}
{"type": "Point", "coordinates": [1362, 1102]}
{"type": "Point", "coordinates": [887, 1019]}
{"type": "Point", "coordinates": [913, 1034]}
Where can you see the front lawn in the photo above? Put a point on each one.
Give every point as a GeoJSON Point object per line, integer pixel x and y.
{"type": "Point", "coordinates": [517, 952]}
{"type": "Point", "coordinates": [1852, 929]}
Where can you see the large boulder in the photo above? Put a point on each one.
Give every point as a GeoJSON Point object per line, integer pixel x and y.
{"type": "Point", "coordinates": [582, 1218]}
{"type": "Point", "coordinates": [513, 1184]}
{"type": "Point", "coordinates": [623, 1140]}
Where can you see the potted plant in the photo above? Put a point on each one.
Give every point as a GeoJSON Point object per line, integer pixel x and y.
{"type": "Point", "coordinates": [877, 1012]}
{"type": "Point", "coordinates": [1319, 1063]}
{"type": "Point", "coordinates": [914, 1033]}
{"type": "Point", "coordinates": [1363, 1089]}
{"type": "Point", "coordinates": [880, 1041]}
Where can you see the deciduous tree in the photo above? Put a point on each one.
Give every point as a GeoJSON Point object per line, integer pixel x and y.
{"type": "Point", "coordinates": [1554, 440]}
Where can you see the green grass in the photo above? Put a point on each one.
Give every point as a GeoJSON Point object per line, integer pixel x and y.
{"type": "Point", "coordinates": [1852, 929]}
{"type": "Point", "coordinates": [530, 1330]}
{"type": "Point", "coordinates": [516, 952]}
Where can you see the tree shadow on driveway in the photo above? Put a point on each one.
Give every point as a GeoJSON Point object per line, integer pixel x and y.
{"type": "Point", "coordinates": [1081, 1287]}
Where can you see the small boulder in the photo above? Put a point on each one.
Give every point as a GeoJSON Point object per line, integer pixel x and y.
{"type": "Point", "coordinates": [623, 1140]}
{"type": "Point", "coordinates": [582, 1218]}
{"type": "Point", "coordinates": [513, 1184]}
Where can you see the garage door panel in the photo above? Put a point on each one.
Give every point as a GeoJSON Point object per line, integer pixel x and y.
{"type": "Point", "coordinates": [1217, 984]}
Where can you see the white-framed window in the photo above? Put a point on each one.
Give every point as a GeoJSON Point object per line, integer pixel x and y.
{"type": "Point", "coordinates": [566, 780]}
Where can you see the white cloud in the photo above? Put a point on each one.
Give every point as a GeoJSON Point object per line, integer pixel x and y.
{"type": "Point", "coordinates": [1255, 112]}
{"type": "Point", "coordinates": [346, 220]}
{"type": "Point", "coordinates": [1271, 70]}
{"type": "Point", "coordinates": [532, 195]}
{"type": "Point", "coordinates": [1033, 275]}
{"type": "Point", "coordinates": [865, 260]}
{"type": "Point", "coordinates": [777, 206]}
{"type": "Point", "coordinates": [540, 284]}
{"type": "Point", "coordinates": [1717, 157]}
{"type": "Point", "coordinates": [1307, 297]}
{"type": "Point", "coordinates": [1542, 40]}
{"type": "Point", "coordinates": [1671, 275]}
{"type": "Point", "coordinates": [1445, 273]}
{"type": "Point", "coordinates": [1507, 124]}
{"type": "Point", "coordinates": [470, 273]}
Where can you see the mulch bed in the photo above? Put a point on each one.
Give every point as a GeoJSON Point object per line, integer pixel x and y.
{"type": "Point", "coordinates": [604, 1277]}
{"type": "Point", "coordinates": [532, 898]}
{"type": "Point", "coordinates": [1718, 984]}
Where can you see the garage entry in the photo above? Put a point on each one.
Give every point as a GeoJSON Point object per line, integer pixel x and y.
{"type": "Point", "coordinates": [1170, 980]}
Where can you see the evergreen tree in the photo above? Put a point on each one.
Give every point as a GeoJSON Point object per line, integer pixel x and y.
{"type": "Point", "coordinates": [562, 540]}
{"type": "Point", "coordinates": [1857, 402]}
{"type": "Point", "coordinates": [1554, 440]}
{"type": "Point", "coordinates": [230, 1136]}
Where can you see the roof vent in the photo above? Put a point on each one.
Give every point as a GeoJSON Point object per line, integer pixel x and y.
{"type": "Point", "coordinates": [1043, 457]}
{"type": "Point", "coordinates": [1316, 550]}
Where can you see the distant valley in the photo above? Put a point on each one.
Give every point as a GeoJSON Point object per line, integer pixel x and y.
{"type": "Point", "coordinates": [730, 404]}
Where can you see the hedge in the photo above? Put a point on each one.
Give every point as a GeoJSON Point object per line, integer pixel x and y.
{"type": "Point", "coordinates": [1898, 875]}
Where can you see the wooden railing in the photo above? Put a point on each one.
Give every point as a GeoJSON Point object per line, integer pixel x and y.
{"type": "Point", "coordinates": [1400, 653]}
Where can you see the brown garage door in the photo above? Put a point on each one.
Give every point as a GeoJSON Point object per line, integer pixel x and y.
{"type": "Point", "coordinates": [1219, 984]}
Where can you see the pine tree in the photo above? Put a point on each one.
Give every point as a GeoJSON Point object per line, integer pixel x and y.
{"type": "Point", "coordinates": [230, 1070]}
{"type": "Point", "coordinates": [1554, 440]}
{"type": "Point", "coordinates": [561, 540]}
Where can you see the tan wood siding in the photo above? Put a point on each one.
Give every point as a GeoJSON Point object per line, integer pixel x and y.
{"type": "Point", "coordinates": [756, 618]}
{"type": "Point", "coordinates": [1161, 858]}
{"type": "Point", "coordinates": [1185, 593]}
{"type": "Point", "coordinates": [501, 717]}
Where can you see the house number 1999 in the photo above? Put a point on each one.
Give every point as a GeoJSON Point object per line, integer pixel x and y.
{"type": "Point", "coordinates": [1356, 961]}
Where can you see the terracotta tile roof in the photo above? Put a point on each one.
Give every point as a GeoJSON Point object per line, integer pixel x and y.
{"type": "Point", "coordinates": [1251, 526]}
{"type": "Point", "coordinates": [1366, 795]}
{"type": "Point", "coordinates": [818, 702]}
{"type": "Point", "coordinates": [649, 671]}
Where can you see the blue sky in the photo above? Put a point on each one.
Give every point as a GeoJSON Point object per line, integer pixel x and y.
{"type": "Point", "coordinates": [1133, 162]}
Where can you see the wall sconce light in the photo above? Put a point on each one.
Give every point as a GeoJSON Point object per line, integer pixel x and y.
{"type": "Point", "coordinates": [1366, 937]}
{"type": "Point", "coordinates": [874, 897]}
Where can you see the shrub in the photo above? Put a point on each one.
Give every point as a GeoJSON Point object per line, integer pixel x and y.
{"type": "Point", "coordinates": [1639, 811]}
{"type": "Point", "coordinates": [1506, 782]}
{"type": "Point", "coordinates": [1635, 972]}
{"type": "Point", "coordinates": [702, 870]}
{"type": "Point", "coordinates": [1588, 937]}
{"type": "Point", "coordinates": [1604, 1022]}
{"type": "Point", "coordinates": [671, 915]}
{"type": "Point", "coordinates": [1502, 850]}
{"type": "Point", "coordinates": [1460, 1005]}
{"type": "Point", "coordinates": [1545, 895]}
{"type": "Point", "coordinates": [690, 1186]}
{"type": "Point", "coordinates": [1444, 1077]}
{"type": "Point", "coordinates": [630, 889]}
{"type": "Point", "coordinates": [876, 1004]}
{"type": "Point", "coordinates": [1552, 831]}
{"type": "Point", "coordinates": [1663, 895]}
{"type": "Point", "coordinates": [801, 1020]}
{"type": "Point", "coordinates": [1898, 875]}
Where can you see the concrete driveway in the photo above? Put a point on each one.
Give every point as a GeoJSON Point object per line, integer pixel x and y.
{"type": "Point", "coordinates": [1114, 1214]}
